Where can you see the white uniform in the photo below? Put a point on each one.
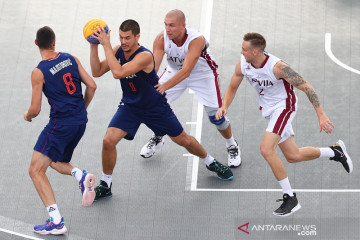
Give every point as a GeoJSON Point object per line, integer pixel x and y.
{"type": "Point", "coordinates": [203, 80]}
{"type": "Point", "coordinates": [277, 98]}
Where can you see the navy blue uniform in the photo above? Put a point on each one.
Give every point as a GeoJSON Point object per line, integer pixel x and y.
{"type": "Point", "coordinates": [142, 103]}
{"type": "Point", "coordinates": [68, 116]}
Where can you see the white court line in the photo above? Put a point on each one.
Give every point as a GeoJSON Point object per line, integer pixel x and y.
{"type": "Point", "coordinates": [278, 190]}
{"type": "Point", "coordinates": [19, 234]}
{"type": "Point", "coordinates": [332, 57]}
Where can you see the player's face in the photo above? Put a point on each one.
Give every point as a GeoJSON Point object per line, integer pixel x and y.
{"type": "Point", "coordinates": [247, 51]}
{"type": "Point", "coordinates": [173, 28]}
{"type": "Point", "coordinates": [128, 40]}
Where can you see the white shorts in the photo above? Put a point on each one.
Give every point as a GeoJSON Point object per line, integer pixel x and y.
{"type": "Point", "coordinates": [204, 84]}
{"type": "Point", "coordinates": [279, 122]}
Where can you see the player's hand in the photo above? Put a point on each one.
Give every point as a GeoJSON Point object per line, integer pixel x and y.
{"type": "Point", "coordinates": [220, 112]}
{"type": "Point", "coordinates": [102, 36]}
{"type": "Point", "coordinates": [160, 88]}
{"type": "Point", "coordinates": [325, 124]}
{"type": "Point", "coordinates": [26, 118]}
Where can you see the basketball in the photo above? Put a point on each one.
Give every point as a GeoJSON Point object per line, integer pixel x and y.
{"type": "Point", "coordinates": [91, 25]}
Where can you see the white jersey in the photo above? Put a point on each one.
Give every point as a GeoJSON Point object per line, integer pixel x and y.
{"type": "Point", "coordinates": [176, 55]}
{"type": "Point", "coordinates": [203, 79]}
{"type": "Point", "coordinates": [273, 93]}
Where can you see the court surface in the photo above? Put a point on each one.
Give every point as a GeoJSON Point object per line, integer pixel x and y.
{"type": "Point", "coordinates": [172, 195]}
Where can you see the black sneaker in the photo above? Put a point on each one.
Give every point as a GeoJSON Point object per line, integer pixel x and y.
{"type": "Point", "coordinates": [289, 206]}
{"type": "Point", "coordinates": [342, 156]}
{"type": "Point", "coordinates": [223, 172]}
{"type": "Point", "coordinates": [102, 191]}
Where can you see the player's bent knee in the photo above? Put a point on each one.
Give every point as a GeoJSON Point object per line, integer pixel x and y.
{"type": "Point", "coordinates": [108, 143]}
{"type": "Point", "coordinates": [221, 124]}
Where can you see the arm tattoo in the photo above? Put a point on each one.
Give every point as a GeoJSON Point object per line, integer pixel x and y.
{"type": "Point", "coordinates": [294, 77]}
{"type": "Point", "coordinates": [314, 99]}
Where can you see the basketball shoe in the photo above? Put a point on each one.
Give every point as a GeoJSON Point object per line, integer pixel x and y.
{"type": "Point", "coordinates": [223, 172]}
{"type": "Point", "coordinates": [102, 191]}
{"type": "Point", "coordinates": [288, 207]}
{"type": "Point", "coordinates": [87, 184]}
{"type": "Point", "coordinates": [234, 156]}
{"type": "Point", "coordinates": [342, 156]}
{"type": "Point", "coordinates": [51, 228]}
{"type": "Point", "coordinates": [155, 143]}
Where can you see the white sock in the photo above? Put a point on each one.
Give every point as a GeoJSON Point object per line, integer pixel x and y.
{"type": "Point", "coordinates": [230, 141]}
{"type": "Point", "coordinates": [77, 173]}
{"type": "Point", "coordinates": [54, 213]}
{"type": "Point", "coordinates": [208, 159]}
{"type": "Point", "coordinates": [107, 179]}
{"type": "Point", "coordinates": [326, 152]}
{"type": "Point", "coordinates": [285, 185]}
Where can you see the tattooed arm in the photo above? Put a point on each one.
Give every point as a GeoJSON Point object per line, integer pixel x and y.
{"type": "Point", "coordinates": [283, 71]}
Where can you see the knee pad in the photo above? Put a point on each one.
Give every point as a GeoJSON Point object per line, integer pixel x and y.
{"type": "Point", "coordinates": [221, 124]}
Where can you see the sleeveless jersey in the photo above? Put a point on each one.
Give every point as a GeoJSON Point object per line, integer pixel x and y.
{"type": "Point", "coordinates": [176, 55]}
{"type": "Point", "coordinates": [63, 90]}
{"type": "Point", "coordinates": [273, 93]}
{"type": "Point", "coordinates": [138, 89]}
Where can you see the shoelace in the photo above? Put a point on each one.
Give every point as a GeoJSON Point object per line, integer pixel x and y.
{"type": "Point", "coordinates": [153, 141]}
{"type": "Point", "coordinates": [220, 168]}
{"type": "Point", "coordinates": [233, 152]}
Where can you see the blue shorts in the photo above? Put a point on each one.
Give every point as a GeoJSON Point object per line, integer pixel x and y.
{"type": "Point", "coordinates": [161, 120]}
{"type": "Point", "coordinates": [59, 141]}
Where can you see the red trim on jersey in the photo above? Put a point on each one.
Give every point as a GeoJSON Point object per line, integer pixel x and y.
{"type": "Point", "coordinates": [212, 64]}
{"type": "Point", "coordinates": [290, 107]}
{"type": "Point", "coordinates": [183, 41]}
{"type": "Point", "coordinates": [53, 57]}
{"type": "Point", "coordinates": [263, 64]}
{"type": "Point", "coordinates": [162, 73]}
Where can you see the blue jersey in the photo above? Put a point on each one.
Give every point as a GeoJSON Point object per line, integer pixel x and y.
{"type": "Point", "coordinates": [138, 89]}
{"type": "Point", "coordinates": [63, 90]}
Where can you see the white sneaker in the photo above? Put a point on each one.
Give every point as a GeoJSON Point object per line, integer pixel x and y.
{"type": "Point", "coordinates": [234, 156]}
{"type": "Point", "coordinates": [150, 148]}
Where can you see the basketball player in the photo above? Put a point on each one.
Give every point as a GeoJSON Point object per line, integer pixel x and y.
{"type": "Point", "coordinates": [274, 81]}
{"type": "Point", "coordinates": [59, 75]}
{"type": "Point", "coordinates": [190, 65]}
{"type": "Point", "coordinates": [134, 65]}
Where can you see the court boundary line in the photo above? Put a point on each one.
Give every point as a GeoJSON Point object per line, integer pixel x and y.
{"type": "Point", "coordinates": [19, 234]}
{"type": "Point", "coordinates": [332, 57]}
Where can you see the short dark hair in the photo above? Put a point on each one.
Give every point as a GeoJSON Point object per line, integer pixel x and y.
{"type": "Point", "coordinates": [256, 40]}
{"type": "Point", "coordinates": [45, 37]}
{"type": "Point", "coordinates": [130, 25]}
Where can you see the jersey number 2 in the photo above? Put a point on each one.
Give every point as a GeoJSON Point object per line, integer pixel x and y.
{"type": "Point", "coordinates": [70, 86]}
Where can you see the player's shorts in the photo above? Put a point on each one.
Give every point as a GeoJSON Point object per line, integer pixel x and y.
{"type": "Point", "coordinates": [161, 120]}
{"type": "Point", "coordinates": [59, 141]}
{"type": "Point", "coordinates": [279, 122]}
{"type": "Point", "coordinates": [204, 84]}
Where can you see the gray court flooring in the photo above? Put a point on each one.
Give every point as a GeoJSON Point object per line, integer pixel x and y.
{"type": "Point", "coordinates": [172, 195]}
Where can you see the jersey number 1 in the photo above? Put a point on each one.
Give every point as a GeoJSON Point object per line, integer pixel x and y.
{"type": "Point", "coordinates": [70, 86]}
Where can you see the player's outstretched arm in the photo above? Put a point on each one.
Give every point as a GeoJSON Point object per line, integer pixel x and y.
{"type": "Point", "coordinates": [283, 71]}
{"type": "Point", "coordinates": [88, 81]}
{"type": "Point", "coordinates": [230, 93]}
{"type": "Point", "coordinates": [37, 82]}
{"type": "Point", "coordinates": [158, 50]}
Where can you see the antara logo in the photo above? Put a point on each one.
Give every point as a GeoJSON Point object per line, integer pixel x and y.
{"type": "Point", "coordinates": [244, 225]}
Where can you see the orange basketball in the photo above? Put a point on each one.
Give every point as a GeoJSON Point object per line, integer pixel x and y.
{"type": "Point", "coordinates": [91, 25]}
